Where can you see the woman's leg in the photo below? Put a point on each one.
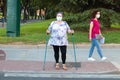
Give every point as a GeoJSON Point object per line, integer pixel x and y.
{"type": "Point", "coordinates": [92, 48]}
{"type": "Point", "coordinates": [63, 53]}
{"type": "Point", "coordinates": [98, 48]}
{"type": "Point", "coordinates": [56, 53]}
{"type": "Point", "coordinates": [63, 56]}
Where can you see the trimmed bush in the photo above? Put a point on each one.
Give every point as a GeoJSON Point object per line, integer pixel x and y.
{"type": "Point", "coordinates": [80, 21]}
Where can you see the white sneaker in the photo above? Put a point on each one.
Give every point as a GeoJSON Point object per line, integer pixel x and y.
{"type": "Point", "coordinates": [103, 58]}
{"type": "Point", "coordinates": [91, 59]}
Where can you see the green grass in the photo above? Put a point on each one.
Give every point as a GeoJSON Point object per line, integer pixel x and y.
{"type": "Point", "coordinates": [112, 36]}
{"type": "Point", "coordinates": [31, 33]}
{"type": "Point", "coordinates": [34, 33]}
{"type": "Point", "coordinates": [115, 26]}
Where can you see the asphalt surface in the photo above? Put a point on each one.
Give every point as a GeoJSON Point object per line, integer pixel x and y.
{"type": "Point", "coordinates": [36, 53]}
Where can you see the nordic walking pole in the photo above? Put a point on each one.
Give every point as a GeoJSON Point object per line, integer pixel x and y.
{"type": "Point", "coordinates": [45, 52]}
{"type": "Point", "coordinates": [74, 50]}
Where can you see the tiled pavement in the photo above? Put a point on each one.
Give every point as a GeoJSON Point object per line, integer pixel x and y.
{"type": "Point", "coordinates": [37, 67]}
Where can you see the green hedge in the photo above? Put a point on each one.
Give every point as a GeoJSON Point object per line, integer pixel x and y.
{"type": "Point", "coordinates": [80, 21]}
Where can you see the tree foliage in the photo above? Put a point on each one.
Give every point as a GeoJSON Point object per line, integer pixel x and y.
{"type": "Point", "coordinates": [75, 6]}
{"type": "Point", "coordinates": [3, 4]}
{"type": "Point", "coordinates": [69, 6]}
{"type": "Point", "coordinates": [81, 21]}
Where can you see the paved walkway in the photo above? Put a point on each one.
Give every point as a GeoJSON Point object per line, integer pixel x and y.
{"type": "Point", "coordinates": [29, 59]}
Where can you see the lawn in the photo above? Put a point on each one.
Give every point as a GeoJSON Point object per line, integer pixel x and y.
{"type": "Point", "coordinates": [34, 33]}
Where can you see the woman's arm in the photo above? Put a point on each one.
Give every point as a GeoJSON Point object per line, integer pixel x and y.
{"type": "Point", "coordinates": [70, 31]}
{"type": "Point", "coordinates": [100, 32]}
{"type": "Point", "coordinates": [90, 31]}
{"type": "Point", "coordinates": [50, 27]}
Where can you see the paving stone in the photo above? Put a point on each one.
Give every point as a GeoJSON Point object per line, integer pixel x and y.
{"type": "Point", "coordinates": [37, 66]}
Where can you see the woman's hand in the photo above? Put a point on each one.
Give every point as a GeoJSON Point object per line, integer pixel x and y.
{"type": "Point", "coordinates": [47, 31]}
{"type": "Point", "coordinates": [72, 31]}
{"type": "Point", "coordinates": [102, 36]}
{"type": "Point", "coordinates": [90, 39]}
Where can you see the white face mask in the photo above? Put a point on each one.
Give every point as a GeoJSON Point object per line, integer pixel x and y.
{"type": "Point", "coordinates": [98, 16]}
{"type": "Point", "coordinates": [59, 18]}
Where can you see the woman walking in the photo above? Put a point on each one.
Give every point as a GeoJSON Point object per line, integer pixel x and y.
{"type": "Point", "coordinates": [94, 31]}
{"type": "Point", "coordinates": [58, 39]}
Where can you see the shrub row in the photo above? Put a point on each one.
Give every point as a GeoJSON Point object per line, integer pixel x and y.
{"type": "Point", "coordinates": [80, 21]}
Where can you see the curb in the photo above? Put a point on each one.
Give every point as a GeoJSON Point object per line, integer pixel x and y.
{"type": "Point", "coordinates": [82, 45]}
{"type": "Point", "coordinates": [61, 75]}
